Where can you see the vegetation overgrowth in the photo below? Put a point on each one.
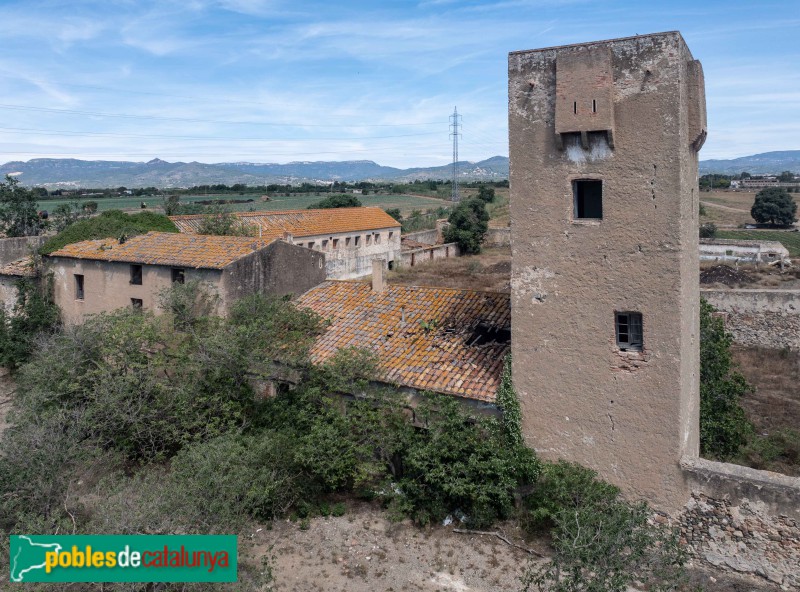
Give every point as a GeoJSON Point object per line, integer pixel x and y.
{"type": "Point", "coordinates": [109, 224]}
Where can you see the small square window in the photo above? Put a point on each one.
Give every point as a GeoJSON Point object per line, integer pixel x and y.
{"type": "Point", "coordinates": [136, 275]}
{"type": "Point", "coordinates": [336, 243]}
{"type": "Point", "coordinates": [347, 242]}
{"type": "Point", "coordinates": [378, 238]}
{"type": "Point", "coordinates": [311, 245]}
{"type": "Point", "coordinates": [78, 286]}
{"type": "Point", "coordinates": [369, 239]}
{"type": "Point", "coordinates": [325, 244]}
{"type": "Point", "coordinates": [136, 303]}
{"type": "Point", "coordinates": [178, 276]}
{"type": "Point", "coordinates": [391, 234]}
{"type": "Point", "coordinates": [587, 196]}
{"type": "Point", "coordinates": [357, 240]}
{"type": "Point", "coordinates": [629, 331]}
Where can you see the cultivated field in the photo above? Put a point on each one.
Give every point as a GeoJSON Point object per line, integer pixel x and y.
{"type": "Point", "coordinates": [406, 203]}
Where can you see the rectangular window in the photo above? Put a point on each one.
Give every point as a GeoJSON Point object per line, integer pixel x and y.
{"type": "Point", "coordinates": [178, 276]}
{"type": "Point", "coordinates": [311, 245]}
{"type": "Point", "coordinates": [79, 286]}
{"type": "Point", "coordinates": [347, 242]}
{"type": "Point", "coordinates": [378, 238]}
{"type": "Point", "coordinates": [336, 243]}
{"type": "Point", "coordinates": [136, 302]}
{"type": "Point", "coordinates": [369, 239]}
{"type": "Point", "coordinates": [136, 275]}
{"type": "Point", "coordinates": [587, 197]}
{"type": "Point", "coordinates": [357, 240]}
{"type": "Point", "coordinates": [325, 244]}
{"type": "Point", "coordinates": [629, 331]}
{"type": "Point", "coordinates": [391, 234]}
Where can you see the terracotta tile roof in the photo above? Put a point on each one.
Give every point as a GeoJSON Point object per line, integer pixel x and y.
{"type": "Point", "coordinates": [19, 268]}
{"type": "Point", "coordinates": [302, 223]}
{"type": "Point", "coordinates": [441, 359]}
{"type": "Point", "coordinates": [167, 248]}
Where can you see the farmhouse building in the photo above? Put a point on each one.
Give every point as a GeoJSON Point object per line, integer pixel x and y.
{"type": "Point", "coordinates": [350, 238]}
{"type": "Point", "coordinates": [604, 141]}
{"type": "Point", "coordinates": [426, 339]}
{"type": "Point", "coordinates": [102, 275]}
{"type": "Point", "coordinates": [742, 251]}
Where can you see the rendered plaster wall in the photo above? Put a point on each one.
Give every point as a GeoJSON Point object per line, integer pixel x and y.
{"type": "Point", "coordinates": [279, 269]}
{"type": "Point", "coordinates": [107, 285]}
{"type": "Point", "coordinates": [8, 292]}
{"type": "Point", "coordinates": [763, 318]}
{"type": "Point", "coordinates": [497, 237]}
{"type": "Point", "coordinates": [629, 415]}
{"type": "Point", "coordinates": [347, 261]}
{"type": "Point", "coordinates": [426, 237]}
{"type": "Point", "coordinates": [12, 249]}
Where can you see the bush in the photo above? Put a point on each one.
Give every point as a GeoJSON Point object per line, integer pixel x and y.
{"type": "Point", "coordinates": [225, 224]}
{"type": "Point", "coordinates": [109, 224]}
{"type": "Point", "coordinates": [34, 317]}
{"type": "Point", "coordinates": [486, 194]}
{"type": "Point", "coordinates": [337, 201]}
{"type": "Point", "coordinates": [469, 222]}
{"type": "Point", "coordinates": [724, 429]}
{"type": "Point", "coordinates": [708, 230]}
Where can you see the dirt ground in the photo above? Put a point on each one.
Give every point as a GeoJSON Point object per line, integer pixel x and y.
{"type": "Point", "coordinates": [364, 552]}
{"type": "Point", "coordinates": [748, 276]}
{"type": "Point", "coordinates": [490, 270]}
{"type": "Point", "coordinates": [775, 375]}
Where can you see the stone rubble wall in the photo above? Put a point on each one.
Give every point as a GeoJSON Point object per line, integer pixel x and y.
{"type": "Point", "coordinates": [763, 318]}
{"type": "Point", "coordinates": [497, 237]}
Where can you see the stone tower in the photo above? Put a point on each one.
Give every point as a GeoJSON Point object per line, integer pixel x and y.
{"type": "Point", "coordinates": [604, 139]}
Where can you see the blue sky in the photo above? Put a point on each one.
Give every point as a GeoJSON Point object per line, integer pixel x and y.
{"type": "Point", "coordinates": [276, 81]}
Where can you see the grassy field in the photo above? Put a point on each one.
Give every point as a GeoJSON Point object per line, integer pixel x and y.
{"type": "Point", "coordinates": [406, 203]}
{"type": "Point", "coordinates": [790, 240]}
{"type": "Point", "coordinates": [729, 208]}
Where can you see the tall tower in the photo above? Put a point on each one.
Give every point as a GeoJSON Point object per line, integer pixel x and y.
{"type": "Point", "coordinates": [454, 133]}
{"type": "Point", "coordinates": [604, 139]}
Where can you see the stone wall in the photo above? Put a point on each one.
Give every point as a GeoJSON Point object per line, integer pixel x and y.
{"type": "Point", "coordinates": [743, 520]}
{"type": "Point", "coordinates": [414, 257]}
{"type": "Point", "coordinates": [498, 237]}
{"type": "Point", "coordinates": [764, 318]}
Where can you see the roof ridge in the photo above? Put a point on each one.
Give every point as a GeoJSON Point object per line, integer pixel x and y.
{"type": "Point", "coordinates": [390, 285]}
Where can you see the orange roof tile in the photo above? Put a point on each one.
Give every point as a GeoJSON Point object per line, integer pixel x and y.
{"type": "Point", "coordinates": [301, 223]}
{"type": "Point", "coordinates": [442, 358]}
{"type": "Point", "coordinates": [19, 268]}
{"type": "Point", "coordinates": [167, 248]}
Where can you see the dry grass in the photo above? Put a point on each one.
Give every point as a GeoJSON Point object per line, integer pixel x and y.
{"type": "Point", "coordinates": [729, 208]}
{"type": "Point", "coordinates": [763, 277]}
{"type": "Point", "coordinates": [491, 270]}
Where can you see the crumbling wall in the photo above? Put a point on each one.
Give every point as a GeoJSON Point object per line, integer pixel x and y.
{"type": "Point", "coordinates": [743, 520]}
{"type": "Point", "coordinates": [497, 237]}
{"type": "Point", "coordinates": [426, 237]}
{"type": "Point", "coordinates": [414, 257]}
{"type": "Point", "coordinates": [15, 248]}
{"type": "Point", "coordinates": [763, 318]}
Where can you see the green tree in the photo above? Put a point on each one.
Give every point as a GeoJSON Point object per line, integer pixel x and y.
{"type": "Point", "coordinates": [708, 230]}
{"type": "Point", "coordinates": [337, 201]}
{"type": "Point", "coordinates": [67, 214]}
{"type": "Point", "coordinates": [786, 177]}
{"type": "Point", "coordinates": [395, 213]}
{"type": "Point", "coordinates": [90, 207]}
{"type": "Point", "coordinates": [724, 429]}
{"type": "Point", "coordinates": [35, 314]}
{"type": "Point", "coordinates": [18, 209]}
{"type": "Point", "coordinates": [469, 222]}
{"type": "Point", "coordinates": [774, 205]}
{"type": "Point", "coordinates": [172, 205]}
{"type": "Point", "coordinates": [486, 194]}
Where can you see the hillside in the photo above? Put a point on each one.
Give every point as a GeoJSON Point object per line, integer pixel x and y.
{"type": "Point", "coordinates": [69, 172]}
{"type": "Point", "coordinates": [765, 163]}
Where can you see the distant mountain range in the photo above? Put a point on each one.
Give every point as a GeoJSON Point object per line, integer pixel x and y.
{"type": "Point", "coordinates": [70, 172]}
{"type": "Point", "coordinates": [757, 164]}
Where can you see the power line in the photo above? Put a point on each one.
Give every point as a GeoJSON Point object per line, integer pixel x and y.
{"type": "Point", "coordinates": [197, 120]}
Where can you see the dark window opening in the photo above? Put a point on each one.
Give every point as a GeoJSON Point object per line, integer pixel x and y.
{"type": "Point", "coordinates": [588, 198]}
{"type": "Point", "coordinates": [79, 286]}
{"type": "Point", "coordinates": [391, 265]}
{"type": "Point", "coordinates": [136, 275]}
{"type": "Point", "coordinates": [178, 276]}
{"type": "Point", "coordinates": [594, 105]}
{"type": "Point", "coordinates": [575, 107]}
{"type": "Point", "coordinates": [629, 331]}
{"type": "Point", "coordinates": [486, 333]}
{"type": "Point", "coordinates": [136, 302]}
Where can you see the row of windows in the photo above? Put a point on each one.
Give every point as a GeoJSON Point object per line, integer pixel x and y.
{"type": "Point", "coordinates": [349, 241]}
{"type": "Point", "coordinates": [178, 277]}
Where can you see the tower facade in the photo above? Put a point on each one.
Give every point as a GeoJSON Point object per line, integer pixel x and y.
{"type": "Point", "coordinates": [604, 141]}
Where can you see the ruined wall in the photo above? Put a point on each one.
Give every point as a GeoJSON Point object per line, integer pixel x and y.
{"type": "Point", "coordinates": [346, 260]}
{"type": "Point", "coordinates": [763, 318]}
{"type": "Point", "coordinates": [631, 415]}
{"type": "Point", "coordinates": [497, 237]}
{"type": "Point", "coordinates": [743, 520]}
{"type": "Point", "coordinates": [414, 257]}
{"type": "Point", "coordinates": [426, 237]}
{"type": "Point", "coordinates": [12, 249]}
{"type": "Point", "coordinates": [8, 292]}
{"type": "Point", "coordinates": [279, 269]}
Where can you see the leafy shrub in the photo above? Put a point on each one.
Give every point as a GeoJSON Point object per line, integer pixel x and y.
{"type": "Point", "coordinates": [35, 316]}
{"type": "Point", "coordinates": [469, 223]}
{"type": "Point", "coordinates": [225, 224]}
{"type": "Point", "coordinates": [708, 230]}
{"type": "Point", "coordinates": [109, 224]}
{"type": "Point", "coordinates": [724, 429]}
{"type": "Point", "coordinates": [336, 201]}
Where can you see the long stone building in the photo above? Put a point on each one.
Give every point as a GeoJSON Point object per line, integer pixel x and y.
{"type": "Point", "coordinates": [350, 238]}
{"type": "Point", "coordinates": [102, 275]}
{"type": "Point", "coordinates": [604, 141]}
